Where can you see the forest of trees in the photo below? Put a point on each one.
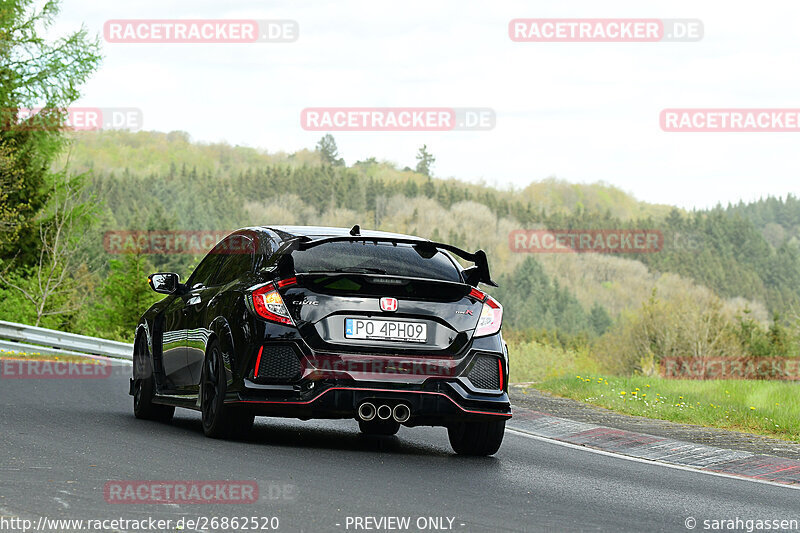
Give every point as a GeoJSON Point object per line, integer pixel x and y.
{"type": "Point", "coordinates": [723, 263]}
{"type": "Point", "coordinates": [725, 282]}
{"type": "Point", "coordinates": [733, 251]}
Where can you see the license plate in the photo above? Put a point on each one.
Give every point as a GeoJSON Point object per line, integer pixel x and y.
{"type": "Point", "coordinates": [385, 330]}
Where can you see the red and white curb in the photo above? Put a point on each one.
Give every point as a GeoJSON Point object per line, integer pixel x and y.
{"type": "Point", "coordinates": [710, 459]}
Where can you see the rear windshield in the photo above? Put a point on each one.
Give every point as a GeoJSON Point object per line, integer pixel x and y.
{"type": "Point", "coordinates": [371, 258]}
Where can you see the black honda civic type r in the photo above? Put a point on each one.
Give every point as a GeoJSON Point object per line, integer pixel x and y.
{"type": "Point", "coordinates": [317, 322]}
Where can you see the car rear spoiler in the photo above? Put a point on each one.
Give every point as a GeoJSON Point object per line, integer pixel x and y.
{"type": "Point", "coordinates": [478, 273]}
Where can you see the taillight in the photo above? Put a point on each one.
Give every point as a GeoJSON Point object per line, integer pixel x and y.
{"type": "Point", "coordinates": [478, 294]}
{"type": "Point", "coordinates": [490, 319]}
{"type": "Point", "coordinates": [286, 282]}
{"type": "Point", "coordinates": [267, 303]}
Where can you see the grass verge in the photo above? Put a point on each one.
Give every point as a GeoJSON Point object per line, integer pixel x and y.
{"type": "Point", "coordinates": [536, 361]}
{"type": "Point", "coordinates": [765, 407]}
{"type": "Point", "coordinates": [36, 356]}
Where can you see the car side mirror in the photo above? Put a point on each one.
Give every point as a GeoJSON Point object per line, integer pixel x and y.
{"type": "Point", "coordinates": [164, 282]}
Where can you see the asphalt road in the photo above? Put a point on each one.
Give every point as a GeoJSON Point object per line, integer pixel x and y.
{"type": "Point", "coordinates": [61, 441]}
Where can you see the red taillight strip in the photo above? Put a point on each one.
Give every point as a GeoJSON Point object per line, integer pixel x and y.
{"type": "Point", "coordinates": [500, 369]}
{"type": "Point", "coordinates": [286, 282]}
{"type": "Point", "coordinates": [478, 295]}
{"type": "Point", "coordinates": [317, 397]}
{"type": "Point", "coordinates": [258, 361]}
{"type": "Point", "coordinates": [261, 308]}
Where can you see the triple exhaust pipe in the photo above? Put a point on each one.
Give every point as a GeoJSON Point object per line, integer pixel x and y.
{"type": "Point", "coordinates": [367, 411]}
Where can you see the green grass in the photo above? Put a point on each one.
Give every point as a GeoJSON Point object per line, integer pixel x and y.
{"type": "Point", "coordinates": [764, 407]}
{"type": "Point", "coordinates": [535, 361]}
{"type": "Point", "coordinates": [11, 354]}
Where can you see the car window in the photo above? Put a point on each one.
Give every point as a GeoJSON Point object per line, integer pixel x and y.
{"type": "Point", "coordinates": [205, 271]}
{"type": "Point", "coordinates": [268, 248]}
{"type": "Point", "coordinates": [382, 258]}
{"type": "Point", "coordinates": [238, 258]}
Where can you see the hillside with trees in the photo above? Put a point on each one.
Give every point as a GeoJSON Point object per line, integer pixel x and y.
{"type": "Point", "coordinates": [729, 267]}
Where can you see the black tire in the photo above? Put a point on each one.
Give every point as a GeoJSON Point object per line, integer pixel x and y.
{"type": "Point", "coordinates": [476, 438]}
{"type": "Point", "coordinates": [144, 387]}
{"type": "Point", "coordinates": [220, 421]}
{"type": "Point", "coordinates": [379, 427]}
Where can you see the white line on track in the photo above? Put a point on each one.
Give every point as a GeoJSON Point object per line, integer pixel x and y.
{"type": "Point", "coordinates": [523, 433]}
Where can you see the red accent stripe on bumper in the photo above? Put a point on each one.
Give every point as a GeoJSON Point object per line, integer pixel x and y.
{"type": "Point", "coordinates": [258, 361]}
{"type": "Point", "coordinates": [317, 397]}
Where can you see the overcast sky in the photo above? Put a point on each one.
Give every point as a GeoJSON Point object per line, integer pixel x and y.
{"type": "Point", "coordinates": [583, 112]}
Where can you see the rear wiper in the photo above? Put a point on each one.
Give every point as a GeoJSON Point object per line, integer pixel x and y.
{"type": "Point", "coordinates": [351, 270]}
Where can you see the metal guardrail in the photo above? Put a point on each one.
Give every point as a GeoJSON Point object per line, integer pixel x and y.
{"type": "Point", "coordinates": [31, 338]}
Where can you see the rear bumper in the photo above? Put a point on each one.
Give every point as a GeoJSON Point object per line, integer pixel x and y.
{"type": "Point", "coordinates": [436, 403]}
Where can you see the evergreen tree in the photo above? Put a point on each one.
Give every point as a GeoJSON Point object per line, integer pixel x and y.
{"type": "Point", "coordinates": [125, 295]}
{"type": "Point", "coordinates": [424, 161]}
{"type": "Point", "coordinates": [429, 189]}
{"type": "Point", "coordinates": [35, 73]}
{"type": "Point", "coordinates": [532, 300]}
{"type": "Point", "coordinates": [329, 152]}
{"type": "Point", "coordinates": [599, 319]}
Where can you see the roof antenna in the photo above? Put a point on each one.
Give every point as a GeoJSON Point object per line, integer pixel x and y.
{"type": "Point", "coordinates": [355, 230]}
